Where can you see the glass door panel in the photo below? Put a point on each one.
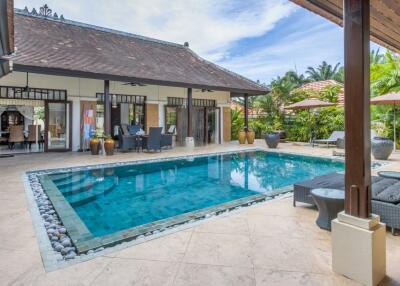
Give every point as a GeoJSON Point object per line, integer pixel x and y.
{"type": "Point", "coordinates": [57, 126]}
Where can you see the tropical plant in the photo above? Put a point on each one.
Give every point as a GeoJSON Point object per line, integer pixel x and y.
{"type": "Point", "coordinates": [325, 71]}
{"type": "Point", "coordinates": [385, 76]}
{"type": "Point", "coordinates": [237, 123]}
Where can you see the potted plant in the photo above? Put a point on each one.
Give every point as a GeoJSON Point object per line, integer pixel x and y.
{"type": "Point", "coordinates": [381, 145]}
{"type": "Point", "coordinates": [271, 137]}
{"type": "Point", "coordinates": [94, 145]}
{"type": "Point", "coordinates": [242, 137]}
{"type": "Point", "coordinates": [109, 145]}
{"type": "Point", "coordinates": [250, 136]}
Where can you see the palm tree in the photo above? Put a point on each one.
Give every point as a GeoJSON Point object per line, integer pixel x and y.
{"type": "Point", "coordinates": [375, 57]}
{"type": "Point", "coordinates": [325, 71]}
{"type": "Point", "coordinates": [385, 76]}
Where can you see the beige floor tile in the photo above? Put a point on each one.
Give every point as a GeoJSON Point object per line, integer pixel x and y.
{"type": "Point", "coordinates": [210, 275]}
{"type": "Point", "coordinates": [275, 226]}
{"type": "Point", "coordinates": [123, 272]}
{"type": "Point", "coordinates": [167, 248]}
{"type": "Point", "coordinates": [225, 225]}
{"type": "Point", "coordinates": [219, 249]}
{"type": "Point", "coordinates": [279, 278]}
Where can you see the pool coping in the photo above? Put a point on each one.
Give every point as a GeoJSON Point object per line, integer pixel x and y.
{"type": "Point", "coordinates": [53, 260]}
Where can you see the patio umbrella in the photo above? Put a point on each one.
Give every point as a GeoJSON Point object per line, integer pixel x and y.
{"type": "Point", "coordinates": [389, 99]}
{"type": "Point", "coordinates": [308, 104]}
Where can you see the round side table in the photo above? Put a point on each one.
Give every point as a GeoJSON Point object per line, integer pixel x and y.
{"type": "Point", "coordinates": [329, 202]}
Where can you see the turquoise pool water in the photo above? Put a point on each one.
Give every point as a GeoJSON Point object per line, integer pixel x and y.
{"type": "Point", "coordinates": [112, 199]}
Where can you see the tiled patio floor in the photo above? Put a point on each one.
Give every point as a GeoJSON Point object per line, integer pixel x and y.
{"type": "Point", "coordinates": [268, 244]}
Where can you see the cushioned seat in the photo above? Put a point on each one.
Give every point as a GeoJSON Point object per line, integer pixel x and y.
{"type": "Point", "coordinates": [387, 190]}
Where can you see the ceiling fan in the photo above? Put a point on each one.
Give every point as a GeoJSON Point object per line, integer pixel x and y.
{"type": "Point", "coordinates": [134, 84]}
{"type": "Point", "coordinates": [204, 90]}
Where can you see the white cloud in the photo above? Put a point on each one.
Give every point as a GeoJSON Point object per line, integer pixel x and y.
{"type": "Point", "coordinates": [308, 46]}
{"type": "Point", "coordinates": [210, 26]}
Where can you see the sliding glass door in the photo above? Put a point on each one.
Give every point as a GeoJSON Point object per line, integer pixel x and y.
{"type": "Point", "coordinates": [57, 127]}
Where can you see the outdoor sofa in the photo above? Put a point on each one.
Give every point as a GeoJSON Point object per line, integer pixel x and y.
{"type": "Point", "coordinates": [385, 195]}
{"type": "Point", "coordinates": [332, 140]}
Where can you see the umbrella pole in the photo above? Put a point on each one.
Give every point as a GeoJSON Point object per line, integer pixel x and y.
{"type": "Point", "coordinates": [394, 126]}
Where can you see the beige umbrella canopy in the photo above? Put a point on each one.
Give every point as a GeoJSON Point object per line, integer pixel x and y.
{"type": "Point", "coordinates": [309, 104]}
{"type": "Point", "coordinates": [392, 98]}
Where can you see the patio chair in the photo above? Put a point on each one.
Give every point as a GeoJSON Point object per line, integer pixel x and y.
{"type": "Point", "coordinates": [16, 136]}
{"type": "Point", "coordinates": [166, 139]}
{"type": "Point", "coordinates": [385, 194]}
{"type": "Point", "coordinates": [331, 140]}
{"type": "Point", "coordinates": [133, 129]}
{"type": "Point", "coordinates": [32, 136]}
{"type": "Point", "coordinates": [126, 141]}
{"type": "Point", "coordinates": [152, 142]}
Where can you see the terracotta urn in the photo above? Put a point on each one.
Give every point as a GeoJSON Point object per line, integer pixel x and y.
{"type": "Point", "coordinates": [94, 146]}
{"type": "Point", "coordinates": [250, 135]}
{"type": "Point", "coordinates": [109, 145]}
{"type": "Point", "coordinates": [242, 137]}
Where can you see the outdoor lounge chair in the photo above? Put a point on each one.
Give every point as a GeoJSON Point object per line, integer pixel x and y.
{"type": "Point", "coordinates": [152, 142]}
{"type": "Point", "coordinates": [126, 141]}
{"type": "Point", "coordinates": [385, 195]}
{"type": "Point", "coordinates": [332, 139]}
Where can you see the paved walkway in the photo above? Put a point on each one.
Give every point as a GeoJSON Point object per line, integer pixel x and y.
{"type": "Point", "coordinates": [269, 244]}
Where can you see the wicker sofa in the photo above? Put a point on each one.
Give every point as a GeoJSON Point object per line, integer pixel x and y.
{"type": "Point", "coordinates": [385, 195]}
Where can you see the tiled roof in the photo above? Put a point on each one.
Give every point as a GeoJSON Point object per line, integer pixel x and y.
{"type": "Point", "coordinates": [59, 46]}
{"type": "Point", "coordinates": [319, 86]}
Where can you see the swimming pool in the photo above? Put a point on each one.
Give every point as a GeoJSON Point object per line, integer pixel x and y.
{"type": "Point", "coordinates": [105, 205]}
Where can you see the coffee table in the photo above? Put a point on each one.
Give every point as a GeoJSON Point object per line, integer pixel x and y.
{"type": "Point", "coordinates": [329, 202]}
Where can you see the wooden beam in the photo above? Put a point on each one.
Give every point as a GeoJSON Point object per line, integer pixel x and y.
{"type": "Point", "coordinates": [107, 108]}
{"type": "Point", "coordinates": [357, 109]}
{"type": "Point", "coordinates": [189, 112]}
{"type": "Point", "coordinates": [246, 111]}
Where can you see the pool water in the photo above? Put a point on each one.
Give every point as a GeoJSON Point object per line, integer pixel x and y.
{"type": "Point", "coordinates": [112, 199]}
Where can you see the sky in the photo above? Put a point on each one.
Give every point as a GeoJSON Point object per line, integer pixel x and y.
{"type": "Point", "coordinates": [260, 39]}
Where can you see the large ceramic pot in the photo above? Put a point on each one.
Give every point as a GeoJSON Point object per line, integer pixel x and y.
{"type": "Point", "coordinates": [242, 137]}
{"type": "Point", "coordinates": [94, 146]}
{"type": "Point", "coordinates": [109, 146]}
{"type": "Point", "coordinates": [250, 136]}
{"type": "Point", "coordinates": [381, 148]}
{"type": "Point", "coordinates": [272, 139]}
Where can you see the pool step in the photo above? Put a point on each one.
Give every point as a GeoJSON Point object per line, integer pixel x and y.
{"type": "Point", "coordinates": [97, 189]}
{"type": "Point", "coordinates": [64, 178]}
{"type": "Point", "coordinates": [78, 187]}
{"type": "Point", "coordinates": [71, 181]}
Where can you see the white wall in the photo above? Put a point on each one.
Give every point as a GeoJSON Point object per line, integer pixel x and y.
{"type": "Point", "coordinates": [86, 89]}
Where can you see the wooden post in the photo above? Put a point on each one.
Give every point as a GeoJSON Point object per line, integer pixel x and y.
{"type": "Point", "coordinates": [107, 108]}
{"type": "Point", "coordinates": [246, 111]}
{"type": "Point", "coordinates": [189, 113]}
{"type": "Point", "coordinates": [357, 108]}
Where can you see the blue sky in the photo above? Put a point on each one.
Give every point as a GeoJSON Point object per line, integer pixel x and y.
{"type": "Point", "coordinates": [260, 39]}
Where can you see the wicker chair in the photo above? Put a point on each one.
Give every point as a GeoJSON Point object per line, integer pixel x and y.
{"type": "Point", "coordinates": [383, 190]}
{"type": "Point", "coordinates": [16, 136]}
{"type": "Point", "coordinates": [32, 135]}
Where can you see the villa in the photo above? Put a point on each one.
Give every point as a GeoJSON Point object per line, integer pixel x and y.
{"type": "Point", "coordinates": [208, 211]}
{"type": "Point", "coordinates": [77, 72]}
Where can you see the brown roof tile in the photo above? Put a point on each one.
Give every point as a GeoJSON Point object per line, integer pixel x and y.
{"type": "Point", "coordinates": [66, 47]}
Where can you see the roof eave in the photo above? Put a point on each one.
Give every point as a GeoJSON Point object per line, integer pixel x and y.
{"type": "Point", "coordinates": [101, 76]}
